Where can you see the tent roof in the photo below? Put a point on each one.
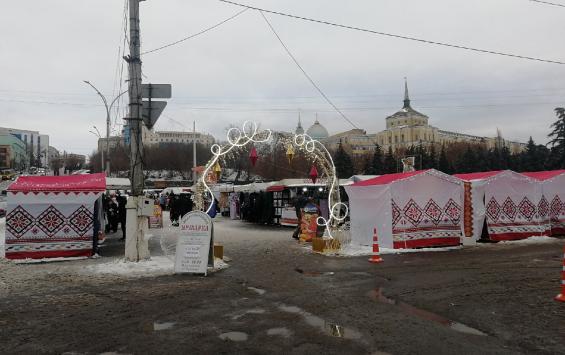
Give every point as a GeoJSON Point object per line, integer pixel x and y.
{"type": "Point", "coordinates": [544, 175]}
{"type": "Point", "coordinates": [478, 176]}
{"type": "Point", "coordinates": [71, 183]}
{"type": "Point", "coordinates": [388, 178]}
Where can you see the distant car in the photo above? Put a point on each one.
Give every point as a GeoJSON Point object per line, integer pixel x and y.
{"type": "Point", "coordinates": [8, 174]}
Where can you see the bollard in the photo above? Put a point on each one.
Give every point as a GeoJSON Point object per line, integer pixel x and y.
{"type": "Point", "coordinates": [375, 258]}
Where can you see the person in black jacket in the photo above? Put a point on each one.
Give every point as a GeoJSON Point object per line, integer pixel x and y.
{"type": "Point", "coordinates": [122, 201]}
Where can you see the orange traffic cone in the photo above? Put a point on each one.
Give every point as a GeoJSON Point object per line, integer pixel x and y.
{"type": "Point", "coordinates": [375, 258]}
{"type": "Point", "coordinates": [561, 295]}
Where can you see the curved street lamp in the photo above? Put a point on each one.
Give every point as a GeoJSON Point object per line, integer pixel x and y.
{"type": "Point", "coordinates": [97, 134]}
{"type": "Point", "coordinates": [108, 109]}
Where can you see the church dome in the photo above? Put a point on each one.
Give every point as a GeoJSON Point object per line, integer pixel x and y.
{"type": "Point", "coordinates": [317, 131]}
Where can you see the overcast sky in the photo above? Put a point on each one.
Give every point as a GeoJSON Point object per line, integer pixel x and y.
{"type": "Point", "coordinates": [240, 71]}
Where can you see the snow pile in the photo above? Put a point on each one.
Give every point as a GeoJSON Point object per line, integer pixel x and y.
{"type": "Point", "coordinates": [364, 250]}
{"type": "Point", "coordinates": [531, 240]}
{"type": "Point", "coordinates": [2, 237]}
{"type": "Point", "coordinates": [156, 266]}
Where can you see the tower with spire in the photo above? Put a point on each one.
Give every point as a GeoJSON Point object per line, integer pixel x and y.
{"type": "Point", "coordinates": [299, 129]}
{"type": "Point", "coordinates": [406, 96]}
{"type": "Point", "coordinates": [407, 116]}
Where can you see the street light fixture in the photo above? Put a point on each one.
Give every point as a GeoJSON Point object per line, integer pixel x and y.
{"type": "Point", "coordinates": [97, 134]}
{"type": "Point", "coordinates": [108, 109]}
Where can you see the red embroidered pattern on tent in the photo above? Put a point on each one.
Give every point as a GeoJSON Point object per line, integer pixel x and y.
{"type": "Point", "coordinates": [18, 222]}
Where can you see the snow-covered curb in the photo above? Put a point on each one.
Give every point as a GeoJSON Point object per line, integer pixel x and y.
{"type": "Point", "coordinates": [48, 260]}
{"type": "Point", "coordinates": [363, 250]}
{"type": "Point", "coordinates": [531, 240]}
{"type": "Point", "coordinates": [156, 266]}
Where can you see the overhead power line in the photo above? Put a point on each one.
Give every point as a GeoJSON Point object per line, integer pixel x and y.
{"type": "Point", "coordinates": [548, 3]}
{"type": "Point", "coordinates": [196, 34]}
{"type": "Point", "coordinates": [409, 38]}
{"type": "Point", "coordinates": [306, 74]}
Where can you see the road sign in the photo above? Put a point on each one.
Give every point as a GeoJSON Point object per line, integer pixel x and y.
{"type": "Point", "coordinates": [151, 112]}
{"type": "Point", "coordinates": [156, 91]}
{"type": "Point", "coordinates": [194, 244]}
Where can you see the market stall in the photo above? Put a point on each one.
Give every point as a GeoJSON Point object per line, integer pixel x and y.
{"type": "Point", "coordinates": [52, 216]}
{"type": "Point", "coordinates": [409, 210]}
{"type": "Point", "coordinates": [509, 202]}
{"type": "Point", "coordinates": [553, 189]}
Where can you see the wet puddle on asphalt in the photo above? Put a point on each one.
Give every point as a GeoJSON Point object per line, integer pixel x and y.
{"type": "Point", "coordinates": [258, 291]}
{"type": "Point", "coordinates": [313, 273]}
{"type": "Point", "coordinates": [283, 332]}
{"type": "Point", "coordinates": [249, 311]}
{"type": "Point", "coordinates": [320, 323]}
{"type": "Point", "coordinates": [234, 336]}
{"type": "Point", "coordinates": [157, 326]}
{"type": "Point", "coordinates": [423, 314]}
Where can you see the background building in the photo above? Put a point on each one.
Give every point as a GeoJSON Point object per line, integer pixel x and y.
{"type": "Point", "coordinates": [13, 153]}
{"type": "Point", "coordinates": [407, 128]}
{"type": "Point", "coordinates": [37, 145]}
{"type": "Point", "coordinates": [167, 137]}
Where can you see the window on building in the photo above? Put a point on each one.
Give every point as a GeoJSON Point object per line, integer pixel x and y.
{"type": "Point", "coordinates": [402, 139]}
{"type": "Point", "coordinates": [395, 139]}
{"type": "Point", "coordinates": [389, 140]}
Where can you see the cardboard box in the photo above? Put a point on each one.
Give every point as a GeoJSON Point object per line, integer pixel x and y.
{"type": "Point", "coordinates": [218, 251]}
{"type": "Point", "coordinates": [324, 245]}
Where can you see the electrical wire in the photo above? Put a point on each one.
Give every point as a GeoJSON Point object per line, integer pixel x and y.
{"type": "Point", "coordinates": [195, 34]}
{"type": "Point", "coordinates": [548, 3]}
{"type": "Point", "coordinates": [387, 34]}
{"type": "Point", "coordinates": [178, 106]}
{"type": "Point", "coordinates": [306, 74]}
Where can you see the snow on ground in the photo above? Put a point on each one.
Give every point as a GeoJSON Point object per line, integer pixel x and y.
{"type": "Point", "coordinates": [531, 240]}
{"type": "Point", "coordinates": [156, 266]}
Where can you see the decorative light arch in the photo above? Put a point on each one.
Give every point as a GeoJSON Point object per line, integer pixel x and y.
{"type": "Point", "coordinates": [312, 148]}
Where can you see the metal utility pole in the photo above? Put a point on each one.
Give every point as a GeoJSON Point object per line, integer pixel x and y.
{"type": "Point", "coordinates": [136, 244]}
{"type": "Point", "coordinates": [194, 177]}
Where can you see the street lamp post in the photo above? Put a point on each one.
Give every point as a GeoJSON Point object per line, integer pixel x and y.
{"type": "Point", "coordinates": [97, 134]}
{"type": "Point", "coordinates": [106, 166]}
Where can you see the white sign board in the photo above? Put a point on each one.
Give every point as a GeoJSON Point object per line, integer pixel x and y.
{"type": "Point", "coordinates": [194, 243]}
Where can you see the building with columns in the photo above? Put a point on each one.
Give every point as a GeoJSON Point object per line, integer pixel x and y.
{"type": "Point", "coordinates": [408, 127]}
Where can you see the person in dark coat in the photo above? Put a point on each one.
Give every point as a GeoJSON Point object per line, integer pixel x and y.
{"type": "Point", "coordinates": [174, 209]}
{"type": "Point", "coordinates": [112, 213]}
{"type": "Point", "coordinates": [122, 212]}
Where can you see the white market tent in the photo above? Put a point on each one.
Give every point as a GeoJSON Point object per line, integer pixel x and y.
{"type": "Point", "coordinates": [409, 210]}
{"type": "Point", "coordinates": [511, 204]}
{"type": "Point", "coordinates": [52, 216]}
{"type": "Point", "coordinates": [118, 184]}
{"type": "Point", "coordinates": [553, 189]}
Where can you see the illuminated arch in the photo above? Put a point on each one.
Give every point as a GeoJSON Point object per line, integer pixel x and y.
{"type": "Point", "coordinates": [313, 149]}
